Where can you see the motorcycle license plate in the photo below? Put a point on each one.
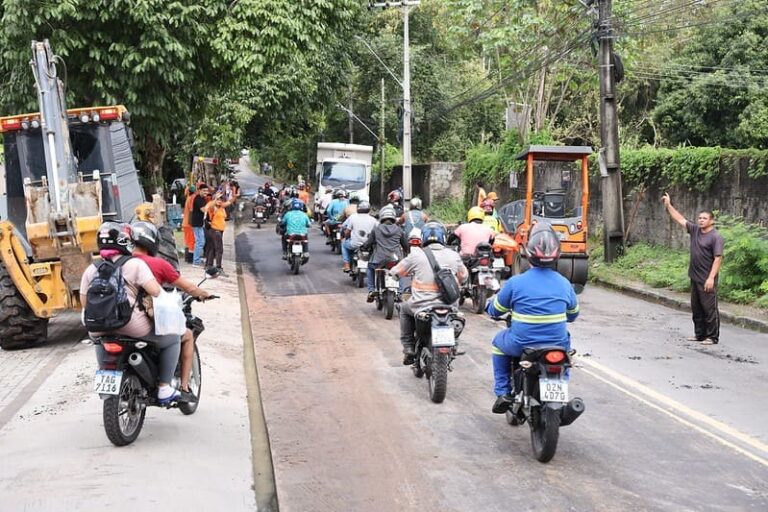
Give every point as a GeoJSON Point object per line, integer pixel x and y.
{"type": "Point", "coordinates": [443, 337]}
{"type": "Point", "coordinates": [338, 236]}
{"type": "Point", "coordinates": [107, 382]}
{"type": "Point", "coordinates": [498, 263]}
{"type": "Point", "coordinates": [553, 390]}
{"type": "Point", "coordinates": [362, 265]}
{"type": "Point", "coordinates": [390, 282]}
{"type": "Point", "coordinates": [297, 249]}
{"type": "Point", "coordinates": [259, 215]}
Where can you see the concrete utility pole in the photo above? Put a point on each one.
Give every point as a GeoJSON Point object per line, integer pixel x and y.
{"type": "Point", "coordinates": [613, 208]}
{"type": "Point", "coordinates": [382, 142]}
{"type": "Point", "coordinates": [406, 7]}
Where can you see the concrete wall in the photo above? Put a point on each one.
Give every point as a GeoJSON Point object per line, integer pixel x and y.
{"type": "Point", "coordinates": [436, 181]}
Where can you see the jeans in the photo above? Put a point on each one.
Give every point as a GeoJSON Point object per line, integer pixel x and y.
{"type": "Point", "coordinates": [370, 277]}
{"type": "Point", "coordinates": [706, 317]}
{"type": "Point", "coordinates": [407, 325]}
{"type": "Point", "coordinates": [347, 250]}
{"type": "Point", "coordinates": [199, 244]}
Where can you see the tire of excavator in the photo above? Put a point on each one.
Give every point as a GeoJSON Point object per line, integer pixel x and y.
{"type": "Point", "coordinates": [19, 327]}
{"type": "Point", "coordinates": [167, 249]}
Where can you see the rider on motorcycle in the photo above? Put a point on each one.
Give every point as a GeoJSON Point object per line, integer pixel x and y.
{"type": "Point", "coordinates": [356, 231]}
{"type": "Point", "coordinates": [424, 290]}
{"type": "Point", "coordinates": [387, 243]}
{"type": "Point", "coordinates": [472, 234]}
{"type": "Point", "coordinates": [335, 209]}
{"type": "Point", "coordinates": [114, 242]}
{"type": "Point", "coordinates": [413, 218]}
{"type": "Point", "coordinates": [541, 302]}
{"type": "Point", "coordinates": [395, 200]}
{"type": "Point", "coordinates": [295, 222]}
{"type": "Point", "coordinates": [146, 242]}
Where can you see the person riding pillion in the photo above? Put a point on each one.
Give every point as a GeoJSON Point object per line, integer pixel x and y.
{"type": "Point", "coordinates": [356, 231]}
{"type": "Point", "coordinates": [541, 302]}
{"type": "Point", "coordinates": [295, 222]}
{"type": "Point", "coordinates": [413, 218]}
{"type": "Point", "coordinates": [114, 243]}
{"type": "Point", "coordinates": [146, 243]}
{"type": "Point", "coordinates": [387, 242]}
{"type": "Point", "coordinates": [425, 292]}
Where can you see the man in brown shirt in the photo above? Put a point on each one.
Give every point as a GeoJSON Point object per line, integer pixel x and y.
{"type": "Point", "coordinates": [706, 258]}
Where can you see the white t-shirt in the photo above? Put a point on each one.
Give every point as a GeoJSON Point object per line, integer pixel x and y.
{"type": "Point", "coordinates": [360, 226]}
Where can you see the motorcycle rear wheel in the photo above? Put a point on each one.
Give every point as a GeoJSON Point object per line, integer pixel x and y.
{"type": "Point", "coordinates": [545, 431]}
{"type": "Point", "coordinates": [295, 265]}
{"type": "Point", "coordinates": [195, 384]}
{"type": "Point", "coordinates": [438, 377]}
{"type": "Point", "coordinates": [124, 413]}
{"type": "Point", "coordinates": [478, 299]}
{"type": "Point", "coordinates": [389, 299]}
{"type": "Point", "coordinates": [360, 279]}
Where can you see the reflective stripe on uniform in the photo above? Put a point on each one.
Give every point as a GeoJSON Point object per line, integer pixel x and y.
{"type": "Point", "coordinates": [497, 351]}
{"type": "Point", "coordinates": [573, 311]}
{"type": "Point", "coordinates": [539, 319]}
{"type": "Point", "coordinates": [499, 307]}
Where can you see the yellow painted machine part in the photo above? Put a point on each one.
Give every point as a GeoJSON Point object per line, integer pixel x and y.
{"type": "Point", "coordinates": [86, 229]}
{"type": "Point", "coordinates": [40, 284]}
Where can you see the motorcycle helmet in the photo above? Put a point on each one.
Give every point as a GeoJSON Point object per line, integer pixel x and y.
{"type": "Point", "coordinates": [387, 213]}
{"type": "Point", "coordinates": [393, 197]}
{"type": "Point", "coordinates": [146, 236]}
{"type": "Point", "coordinates": [114, 235]}
{"type": "Point", "coordinates": [354, 200]}
{"type": "Point", "coordinates": [416, 203]}
{"type": "Point", "coordinates": [328, 190]}
{"type": "Point", "coordinates": [294, 193]}
{"type": "Point", "coordinates": [543, 248]}
{"type": "Point", "coordinates": [364, 207]}
{"type": "Point", "coordinates": [338, 193]}
{"type": "Point", "coordinates": [433, 233]}
{"type": "Point", "coordinates": [475, 213]}
{"type": "Point", "coordinates": [297, 204]}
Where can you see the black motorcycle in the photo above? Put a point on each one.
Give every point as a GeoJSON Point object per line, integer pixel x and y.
{"type": "Point", "coordinates": [259, 215]}
{"type": "Point", "coordinates": [358, 266]}
{"type": "Point", "coordinates": [484, 277]}
{"type": "Point", "coordinates": [334, 237]}
{"type": "Point", "coordinates": [387, 289]}
{"type": "Point", "coordinates": [437, 331]}
{"type": "Point", "coordinates": [297, 253]}
{"type": "Point", "coordinates": [127, 383]}
{"type": "Point", "coordinates": [540, 379]}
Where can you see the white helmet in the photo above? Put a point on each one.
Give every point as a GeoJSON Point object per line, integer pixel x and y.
{"type": "Point", "coordinates": [416, 203]}
{"type": "Point", "coordinates": [387, 212]}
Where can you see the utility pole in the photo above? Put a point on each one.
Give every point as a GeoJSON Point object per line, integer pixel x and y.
{"type": "Point", "coordinates": [613, 208]}
{"type": "Point", "coordinates": [382, 143]}
{"type": "Point", "coordinates": [406, 8]}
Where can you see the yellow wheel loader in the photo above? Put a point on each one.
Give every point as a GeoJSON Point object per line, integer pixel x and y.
{"type": "Point", "coordinates": [64, 173]}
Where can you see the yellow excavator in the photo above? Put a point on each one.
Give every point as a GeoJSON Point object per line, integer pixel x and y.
{"type": "Point", "coordinates": [64, 173]}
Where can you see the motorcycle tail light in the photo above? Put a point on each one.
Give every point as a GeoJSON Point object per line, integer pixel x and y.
{"type": "Point", "coordinates": [391, 265]}
{"type": "Point", "coordinates": [112, 348]}
{"type": "Point", "coordinates": [497, 252]}
{"type": "Point", "coordinates": [484, 262]}
{"type": "Point", "coordinates": [554, 357]}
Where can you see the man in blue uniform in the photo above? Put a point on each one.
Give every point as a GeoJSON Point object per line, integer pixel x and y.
{"type": "Point", "coordinates": [541, 302]}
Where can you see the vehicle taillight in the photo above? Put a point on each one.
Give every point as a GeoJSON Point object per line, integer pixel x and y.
{"type": "Point", "coordinates": [554, 357]}
{"type": "Point", "coordinates": [112, 348]}
{"type": "Point", "coordinates": [415, 242]}
{"type": "Point", "coordinates": [484, 262]}
{"type": "Point", "coordinates": [391, 264]}
{"type": "Point", "coordinates": [13, 123]}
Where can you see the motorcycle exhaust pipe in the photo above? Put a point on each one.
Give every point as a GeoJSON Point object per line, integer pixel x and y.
{"type": "Point", "coordinates": [142, 369]}
{"type": "Point", "coordinates": [571, 411]}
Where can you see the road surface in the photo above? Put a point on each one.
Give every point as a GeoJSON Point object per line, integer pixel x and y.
{"type": "Point", "coordinates": [669, 425]}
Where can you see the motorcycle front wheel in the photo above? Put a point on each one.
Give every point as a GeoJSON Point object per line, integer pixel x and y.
{"type": "Point", "coordinates": [124, 413]}
{"type": "Point", "coordinates": [438, 376]}
{"type": "Point", "coordinates": [389, 300]}
{"type": "Point", "coordinates": [545, 430]}
{"type": "Point", "coordinates": [195, 384]}
{"type": "Point", "coordinates": [360, 279]}
{"type": "Point", "coordinates": [479, 298]}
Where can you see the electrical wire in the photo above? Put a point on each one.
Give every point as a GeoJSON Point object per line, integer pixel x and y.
{"type": "Point", "coordinates": [664, 13]}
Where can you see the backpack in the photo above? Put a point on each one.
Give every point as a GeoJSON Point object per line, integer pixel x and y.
{"type": "Point", "coordinates": [446, 281]}
{"type": "Point", "coordinates": [107, 306]}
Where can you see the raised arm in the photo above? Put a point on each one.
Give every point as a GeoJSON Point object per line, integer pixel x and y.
{"type": "Point", "coordinates": [676, 215]}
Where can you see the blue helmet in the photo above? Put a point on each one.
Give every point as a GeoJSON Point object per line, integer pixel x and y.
{"type": "Point", "coordinates": [433, 233]}
{"type": "Point", "coordinates": [296, 204]}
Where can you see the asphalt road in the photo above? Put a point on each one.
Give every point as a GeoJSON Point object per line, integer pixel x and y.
{"type": "Point", "coordinates": [669, 425]}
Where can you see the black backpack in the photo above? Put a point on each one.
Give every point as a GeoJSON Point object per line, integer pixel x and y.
{"type": "Point", "coordinates": [107, 306]}
{"type": "Point", "coordinates": [446, 281]}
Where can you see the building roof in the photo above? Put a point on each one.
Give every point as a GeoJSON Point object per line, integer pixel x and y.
{"type": "Point", "coordinates": [555, 152]}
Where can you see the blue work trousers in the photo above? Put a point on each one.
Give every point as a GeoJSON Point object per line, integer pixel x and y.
{"type": "Point", "coordinates": [506, 348]}
{"type": "Point", "coordinates": [199, 244]}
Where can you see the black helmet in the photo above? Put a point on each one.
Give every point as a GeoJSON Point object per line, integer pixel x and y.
{"type": "Point", "coordinates": [114, 235]}
{"type": "Point", "coordinates": [543, 249]}
{"type": "Point", "coordinates": [145, 235]}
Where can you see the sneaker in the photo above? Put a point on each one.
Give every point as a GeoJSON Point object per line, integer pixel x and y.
{"type": "Point", "coordinates": [692, 338]}
{"type": "Point", "coordinates": [409, 354]}
{"type": "Point", "coordinates": [708, 341]}
{"type": "Point", "coordinates": [502, 404]}
{"type": "Point", "coordinates": [371, 296]}
{"type": "Point", "coordinates": [174, 396]}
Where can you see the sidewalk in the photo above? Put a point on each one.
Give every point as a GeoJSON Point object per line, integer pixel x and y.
{"type": "Point", "coordinates": [743, 316]}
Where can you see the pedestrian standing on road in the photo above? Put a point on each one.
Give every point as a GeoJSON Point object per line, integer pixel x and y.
{"type": "Point", "coordinates": [217, 215]}
{"type": "Point", "coordinates": [197, 221]}
{"type": "Point", "coordinates": [703, 268]}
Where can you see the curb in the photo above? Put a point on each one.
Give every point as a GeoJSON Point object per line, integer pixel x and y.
{"type": "Point", "coordinates": [682, 305]}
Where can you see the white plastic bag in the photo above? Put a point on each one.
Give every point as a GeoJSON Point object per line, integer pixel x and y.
{"type": "Point", "coordinates": [169, 318]}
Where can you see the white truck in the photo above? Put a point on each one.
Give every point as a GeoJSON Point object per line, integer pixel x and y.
{"type": "Point", "coordinates": [345, 166]}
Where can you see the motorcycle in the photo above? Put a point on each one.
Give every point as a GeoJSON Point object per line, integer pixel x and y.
{"type": "Point", "coordinates": [484, 277]}
{"type": "Point", "coordinates": [297, 254]}
{"type": "Point", "coordinates": [259, 215]}
{"type": "Point", "coordinates": [127, 384]}
{"type": "Point", "coordinates": [358, 267]}
{"type": "Point", "coordinates": [541, 378]}
{"type": "Point", "coordinates": [334, 237]}
{"type": "Point", "coordinates": [437, 331]}
{"type": "Point", "coordinates": [387, 289]}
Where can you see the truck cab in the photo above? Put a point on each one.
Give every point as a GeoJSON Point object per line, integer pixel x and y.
{"type": "Point", "coordinates": [345, 166]}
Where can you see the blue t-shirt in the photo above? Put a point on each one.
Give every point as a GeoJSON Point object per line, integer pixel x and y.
{"type": "Point", "coordinates": [335, 209]}
{"type": "Point", "coordinates": [296, 222]}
